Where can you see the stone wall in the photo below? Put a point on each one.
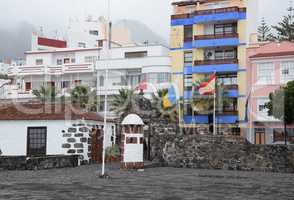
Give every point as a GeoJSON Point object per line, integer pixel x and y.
{"type": "Point", "coordinates": [37, 163]}
{"type": "Point", "coordinates": [173, 148]}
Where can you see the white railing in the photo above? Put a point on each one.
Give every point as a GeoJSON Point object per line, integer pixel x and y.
{"type": "Point", "coordinates": [50, 70]}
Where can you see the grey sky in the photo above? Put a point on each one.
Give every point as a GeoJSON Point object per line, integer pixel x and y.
{"type": "Point", "coordinates": [53, 14]}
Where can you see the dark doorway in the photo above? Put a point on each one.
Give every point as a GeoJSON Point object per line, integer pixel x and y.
{"type": "Point", "coordinates": [96, 145]}
{"type": "Point", "coordinates": [210, 122]}
{"type": "Point", "coordinates": [36, 141]}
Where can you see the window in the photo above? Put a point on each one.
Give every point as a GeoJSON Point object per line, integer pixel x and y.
{"type": "Point", "coordinates": [137, 54]}
{"type": "Point", "coordinates": [66, 60]}
{"type": "Point", "coordinates": [101, 81]}
{"type": "Point", "coordinates": [188, 33]}
{"type": "Point", "coordinates": [65, 84]}
{"type": "Point", "coordinates": [261, 108]}
{"type": "Point", "coordinates": [94, 32]}
{"type": "Point", "coordinates": [265, 73]}
{"type": "Point", "coordinates": [100, 43]}
{"type": "Point", "coordinates": [78, 82]}
{"type": "Point", "coordinates": [227, 80]}
{"type": "Point", "coordinates": [225, 54]}
{"type": "Point", "coordinates": [221, 29]}
{"type": "Point", "coordinates": [59, 62]}
{"type": "Point", "coordinates": [39, 61]}
{"type": "Point", "coordinates": [72, 60]}
{"type": "Point", "coordinates": [188, 58]}
{"type": "Point", "coordinates": [188, 79]}
{"type": "Point", "coordinates": [90, 59]}
{"type": "Point", "coordinates": [287, 71]}
{"type": "Point", "coordinates": [28, 86]}
{"type": "Point", "coordinates": [230, 104]}
{"type": "Point", "coordinates": [131, 140]}
{"type": "Point", "coordinates": [36, 141]}
{"type": "Point", "coordinates": [82, 44]}
{"type": "Point", "coordinates": [187, 109]}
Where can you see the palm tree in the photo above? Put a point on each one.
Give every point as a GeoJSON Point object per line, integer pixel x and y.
{"type": "Point", "coordinates": [46, 94]}
{"type": "Point", "coordinates": [80, 96]}
{"type": "Point", "coordinates": [123, 102]}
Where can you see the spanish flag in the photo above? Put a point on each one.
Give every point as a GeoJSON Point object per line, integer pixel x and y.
{"type": "Point", "coordinates": [170, 98]}
{"type": "Point", "coordinates": [208, 88]}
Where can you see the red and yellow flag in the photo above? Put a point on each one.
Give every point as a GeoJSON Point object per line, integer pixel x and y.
{"type": "Point", "coordinates": [208, 88]}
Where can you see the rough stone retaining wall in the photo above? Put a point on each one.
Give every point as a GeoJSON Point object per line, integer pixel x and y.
{"type": "Point", "coordinates": [48, 162]}
{"type": "Point", "coordinates": [218, 152]}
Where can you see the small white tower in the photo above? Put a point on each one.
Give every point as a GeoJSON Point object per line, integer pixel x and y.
{"type": "Point", "coordinates": [132, 142]}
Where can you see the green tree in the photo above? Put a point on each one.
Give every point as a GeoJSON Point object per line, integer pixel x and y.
{"type": "Point", "coordinates": [4, 76]}
{"type": "Point", "coordinates": [122, 103]}
{"type": "Point", "coordinates": [285, 28]}
{"type": "Point", "coordinates": [264, 32]}
{"type": "Point", "coordinates": [281, 105]}
{"type": "Point", "coordinates": [80, 96]}
{"type": "Point", "coordinates": [46, 94]}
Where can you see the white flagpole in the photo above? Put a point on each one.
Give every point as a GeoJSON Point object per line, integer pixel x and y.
{"type": "Point", "coordinates": [105, 95]}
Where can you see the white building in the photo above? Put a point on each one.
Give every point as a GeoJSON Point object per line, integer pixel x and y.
{"type": "Point", "coordinates": [28, 131]}
{"type": "Point", "coordinates": [63, 68]}
{"type": "Point", "coordinates": [130, 66]}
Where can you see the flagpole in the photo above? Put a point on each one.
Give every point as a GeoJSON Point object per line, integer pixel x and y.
{"type": "Point", "coordinates": [106, 95]}
{"type": "Point", "coordinates": [214, 109]}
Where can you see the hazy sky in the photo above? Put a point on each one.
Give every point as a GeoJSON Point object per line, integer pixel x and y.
{"type": "Point", "coordinates": [53, 14]}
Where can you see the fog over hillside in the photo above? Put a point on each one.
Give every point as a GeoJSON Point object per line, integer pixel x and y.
{"type": "Point", "coordinates": [15, 41]}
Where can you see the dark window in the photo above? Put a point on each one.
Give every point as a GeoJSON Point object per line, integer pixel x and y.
{"type": "Point", "coordinates": [188, 58]}
{"type": "Point", "coordinates": [100, 43]}
{"type": "Point", "coordinates": [65, 84]}
{"type": "Point", "coordinates": [94, 32]}
{"type": "Point", "coordinates": [36, 141]}
{"type": "Point", "coordinates": [82, 44]}
{"type": "Point", "coordinates": [39, 62]}
{"type": "Point", "coordinates": [131, 140]}
{"type": "Point", "coordinates": [66, 60]}
{"type": "Point", "coordinates": [188, 82]}
{"type": "Point", "coordinates": [187, 109]}
{"type": "Point", "coordinates": [28, 86]}
{"type": "Point", "coordinates": [137, 54]}
{"type": "Point", "coordinates": [188, 33]}
{"type": "Point", "coordinates": [59, 61]}
{"type": "Point", "coordinates": [72, 60]}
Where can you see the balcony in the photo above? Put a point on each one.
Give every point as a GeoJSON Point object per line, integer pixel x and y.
{"type": "Point", "coordinates": [219, 10]}
{"type": "Point", "coordinates": [216, 40]}
{"type": "Point", "coordinates": [216, 36]}
{"type": "Point", "coordinates": [211, 15]}
{"type": "Point", "coordinates": [215, 62]}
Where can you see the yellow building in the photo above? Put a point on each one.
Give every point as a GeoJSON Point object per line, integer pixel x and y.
{"type": "Point", "coordinates": [209, 36]}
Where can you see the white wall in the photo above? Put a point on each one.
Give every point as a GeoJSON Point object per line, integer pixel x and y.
{"type": "Point", "coordinates": [13, 136]}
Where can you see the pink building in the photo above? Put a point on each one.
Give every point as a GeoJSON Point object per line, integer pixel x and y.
{"type": "Point", "coordinates": [270, 66]}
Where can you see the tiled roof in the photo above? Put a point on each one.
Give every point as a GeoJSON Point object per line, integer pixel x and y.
{"type": "Point", "coordinates": [273, 54]}
{"type": "Point", "coordinates": [33, 111]}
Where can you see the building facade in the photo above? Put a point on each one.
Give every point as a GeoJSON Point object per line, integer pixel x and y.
{"type": "Point", "coordinates": [129, 66]}
{"type": "Point", "coordinates": [270, 66]}
{"type": "Point", "coordinates": [62, 68]}
{"type": "Point", "coordinates": [209, 37]}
